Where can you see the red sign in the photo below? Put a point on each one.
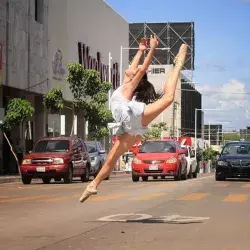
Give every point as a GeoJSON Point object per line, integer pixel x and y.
{"type": "Point", "coordinates": [1, 56]}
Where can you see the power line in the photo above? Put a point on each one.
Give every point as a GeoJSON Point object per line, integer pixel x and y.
{"type": "Point", "coordinates": [37, 84]}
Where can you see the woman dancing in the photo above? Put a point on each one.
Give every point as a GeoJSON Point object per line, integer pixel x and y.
{"type": "Point", "coordinates": [134, 105]}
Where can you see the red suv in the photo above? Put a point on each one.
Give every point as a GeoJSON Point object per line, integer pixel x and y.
{"type": "Point", "coordinates": [61, 157]}
{"type": "Point", "coordinates": [160, 158]}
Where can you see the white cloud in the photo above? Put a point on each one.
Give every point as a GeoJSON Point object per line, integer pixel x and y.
{"type": "Point", "coordinates": [232, 98]}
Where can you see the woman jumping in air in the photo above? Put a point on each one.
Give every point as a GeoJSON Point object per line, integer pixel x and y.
{"type": "Point", "coordinates": [134, 105]}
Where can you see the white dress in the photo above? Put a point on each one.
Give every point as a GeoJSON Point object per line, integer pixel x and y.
{"type": "Point", "coordinates": [127, 114]}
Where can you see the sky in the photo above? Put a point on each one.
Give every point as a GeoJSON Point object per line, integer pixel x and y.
{"type": "Point", "coordinates": [222, 50]}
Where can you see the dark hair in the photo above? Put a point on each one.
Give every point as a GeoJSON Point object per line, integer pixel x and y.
{"type": "Point", "coordinates": [145, 91]}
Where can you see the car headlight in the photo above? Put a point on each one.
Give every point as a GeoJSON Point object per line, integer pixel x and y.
{"type": "Point", "coordinates": [137, 161]}
{"type": "Point", "coordinates": [222, 163]}
{"type": "Point", "coordinates": [172, 160]}
{"type": "Point", "coordinates": [58, 161]}
{"type": "Point", "coordinates": [26, 162]}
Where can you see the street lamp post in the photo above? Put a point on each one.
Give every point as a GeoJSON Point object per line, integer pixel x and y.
{"type": "Point", "coordinates": [110, 62]}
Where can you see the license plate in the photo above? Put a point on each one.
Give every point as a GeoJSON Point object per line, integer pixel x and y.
{"type": "Point", "coordinates": [40, 169]}
{"type": "Point", "coordinates": [153, 167]}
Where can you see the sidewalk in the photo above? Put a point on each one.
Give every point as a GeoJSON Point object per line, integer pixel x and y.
{"type": "Point", "coordinates": [9, 178]}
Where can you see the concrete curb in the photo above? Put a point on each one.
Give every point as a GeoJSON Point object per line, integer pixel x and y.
{"type": "Point", "coordinates": [120, 172]}
{"type": "Point", "coordinates": [9, 179]}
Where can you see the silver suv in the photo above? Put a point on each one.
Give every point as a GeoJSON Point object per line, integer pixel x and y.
{"type": "Point", "coordinates": [97, 156]}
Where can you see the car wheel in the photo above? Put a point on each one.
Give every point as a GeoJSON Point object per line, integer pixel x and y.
{"type": "Point", "coordinates": [190, 174]}
{"type": "Point", "coordinates": [184, 176]}
{"type": "Point", "coordinates": [68, 178]}
{"type": "Point", "coordinates": [135, 178]}
{"type": "Point", "coordinates": [144, 178]}
{"type": "Point", "coordinates": [46, 180]}
{"type": "Point", "coordinates": [177, 177]}
{"type": "Point", "coordinates": [85, 176]}
{"type": "Point", "coordinates": [155, 177]}
{"type": "Point", "coordinates": [219, 178]}
{"type": "Point", "coordinates": [162, 177]}
{"type": "Point", "coordinates": [26, 180]}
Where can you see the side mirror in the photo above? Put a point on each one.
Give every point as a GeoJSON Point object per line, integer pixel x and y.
{"type": "Point", "coordinates": [102, 152]}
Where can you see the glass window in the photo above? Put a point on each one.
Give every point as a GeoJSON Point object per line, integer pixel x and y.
{"type": "Point", "coordinates": [39, 11]}
{"type": "Point", "coordinates": [51, 146]}
{"type": "Point", "coordinates": [99, 146]}
{"type": "Point", "coordinates": [158, 147]}
{"type": "Point", "coordinates": [235, 149]}
{"type": "Point", "coordinates": [91, 146]}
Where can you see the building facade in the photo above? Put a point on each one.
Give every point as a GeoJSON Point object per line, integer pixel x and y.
{"type": "Point", "coordinates": [38, 39]}
{"type": "Point", "coordinates": [245, 133]}
{"type": "Point", "coordinates": [158, 76]}
{"type": "Point", "coordinates": [214, 132]}
{"type": "Point", "coordinates": [88, 32]}
{"type": "Point", "coordinates": [191, 99]}
{"type": "Point", "coordinates": [24, 43]}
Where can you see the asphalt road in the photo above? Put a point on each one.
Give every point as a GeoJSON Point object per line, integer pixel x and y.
{"type": "Point", "coordinates": [164, 214]}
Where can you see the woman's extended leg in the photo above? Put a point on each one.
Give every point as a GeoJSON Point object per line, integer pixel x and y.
{"type": "Point", "coordinates": [123, 143]}
{"type": "Point", "coordinates": [153, 110]}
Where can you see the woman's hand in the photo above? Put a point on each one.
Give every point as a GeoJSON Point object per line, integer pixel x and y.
{"type": "Point", "coordinates": [143, 44]}
{"type": "Point", "coordinates": [153, 41]}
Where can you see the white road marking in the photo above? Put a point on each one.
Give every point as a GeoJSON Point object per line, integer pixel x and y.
{"type": "Point", "coordinates": [111, 218]}
{"type": "Point", "coordinates": [177, 219]}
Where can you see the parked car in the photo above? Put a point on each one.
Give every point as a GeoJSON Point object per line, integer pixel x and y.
{"type": "Point", "coordinates": [160, 158]}
{"type": "Point", "coordinates": [57, 158]}
{"type": "Point", "coordinates": [192, 166]}
{"type": "Point", "coordinates": [234, 161]}
{"type": "Point", "coordinates": [97, 156]}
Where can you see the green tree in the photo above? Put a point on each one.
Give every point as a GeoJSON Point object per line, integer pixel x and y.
{"type": "Point", "coordinates": [90, 95]}
{"type": "Point", "coordinates": [234, 136]}
{"type": "Point", "coordinates": [155, 131]}
{"type": "Point", "coordinates": [210, 155]}
{"type": "Point", "coordinates": [18, 111]}
{"type": "Point", "coordinates": [53, 100]}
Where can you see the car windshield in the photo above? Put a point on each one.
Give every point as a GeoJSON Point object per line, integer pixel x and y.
{"type": "Point", "coordinates": [236, 149]}
{"type": "Point", "coordinates": [91, 146]}
{"type": "Point", "coordinates": [51, 146]}
{"type": "Point", "coordinates": [157, 147]}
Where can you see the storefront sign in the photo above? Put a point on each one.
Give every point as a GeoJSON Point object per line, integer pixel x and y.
{"type": "Point", "coordinates": [90, 62]}
{"type": "Point", "coordinates": [157, 71]}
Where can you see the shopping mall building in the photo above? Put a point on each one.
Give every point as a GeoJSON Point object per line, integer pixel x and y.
{"type": "Point", "coordinates": [38, 38]}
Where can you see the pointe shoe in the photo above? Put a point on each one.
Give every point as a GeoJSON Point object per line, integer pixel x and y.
{"type": "Point", "coordinates": [90, 190]}
{"type": "Point", "coordinates": [179, 60]}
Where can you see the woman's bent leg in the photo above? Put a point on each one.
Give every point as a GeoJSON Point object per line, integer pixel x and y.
{"type": "Point", "coordinates": [120, 147]}
{"type": "Point", "coordinates": [153, 110]}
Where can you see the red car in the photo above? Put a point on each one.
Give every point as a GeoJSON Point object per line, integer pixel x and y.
{"type": "Point", "coordinates": [160, 158]}
{"type": "Point", "coordinates": [61, 157]}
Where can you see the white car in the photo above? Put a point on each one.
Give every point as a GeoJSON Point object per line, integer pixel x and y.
{"type": "Point", "coordinates": [192, 167]}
